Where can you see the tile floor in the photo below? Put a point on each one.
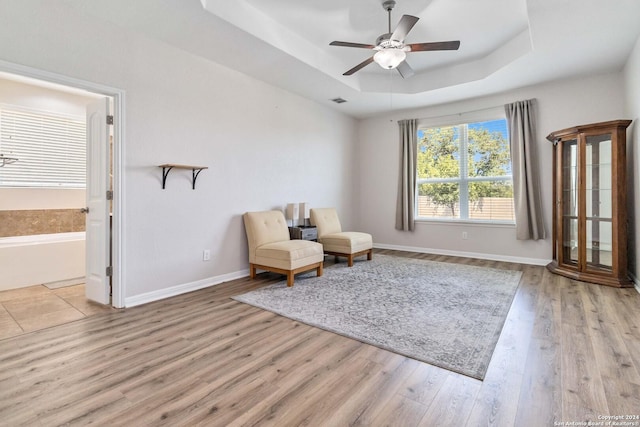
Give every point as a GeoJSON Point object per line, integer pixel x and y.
{"type": "Point", "coordinates": [37, 307]}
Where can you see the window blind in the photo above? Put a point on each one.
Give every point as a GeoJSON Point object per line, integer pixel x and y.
{"type": "Point", "coordinates": [50, 147]}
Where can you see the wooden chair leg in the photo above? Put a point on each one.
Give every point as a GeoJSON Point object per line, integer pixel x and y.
{"type": "Point", "coordinates": [319, 270]}
{"type": "Point", "coordinates": [370, 254]}
{"type": "Point", "coordinates": [252, 271]}
{"type": "Point", "coordinates": [290, 278]}
{"type": "Point", "coordinates": [350, 260]}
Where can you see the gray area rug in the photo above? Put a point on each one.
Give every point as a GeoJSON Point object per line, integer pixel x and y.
{"type": "Point", "coordinates": [444, 314]}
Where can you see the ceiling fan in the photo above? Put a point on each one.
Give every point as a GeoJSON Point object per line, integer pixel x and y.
{"type": "Point", "coordinates": [390, 47]}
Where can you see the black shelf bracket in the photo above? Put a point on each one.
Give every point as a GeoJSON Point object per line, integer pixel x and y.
{"type": "Point", "coordinates": [165, 173]}
{"type": "Point", "coordinates": [195, 171]}
{"type": "Point", "coordinates": [194, 174]}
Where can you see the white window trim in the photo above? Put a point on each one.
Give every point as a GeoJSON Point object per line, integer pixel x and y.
{"type": "Point", "coordinates": [488, 114]}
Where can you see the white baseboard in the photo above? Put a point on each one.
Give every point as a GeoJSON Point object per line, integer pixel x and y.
{"type": "Point", "coordinates": [182, 289]}
{"type": "Point", "coordinates": [65, 283]}
{"type": "Point", "coordinates": [216, 280]}
{"type": "Point", "coordinates": [491, 257]}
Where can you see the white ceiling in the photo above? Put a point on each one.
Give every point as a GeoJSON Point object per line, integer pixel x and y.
{"type": "Point", "coordinates": [505, 44]}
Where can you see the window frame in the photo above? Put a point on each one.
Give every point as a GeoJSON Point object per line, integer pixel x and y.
{"type": "Point", "coordinates": [463, 180]}
{"type": "Point", "coordinates": [75, 145]}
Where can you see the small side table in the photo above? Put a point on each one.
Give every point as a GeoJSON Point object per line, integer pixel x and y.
{"type": "Point", "coordinates": [304, 233]}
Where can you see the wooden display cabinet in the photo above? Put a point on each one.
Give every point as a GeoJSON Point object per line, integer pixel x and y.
{"type": "Point", "coordinates": [590, 203]}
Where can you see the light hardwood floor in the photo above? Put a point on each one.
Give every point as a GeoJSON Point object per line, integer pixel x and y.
{"type": "Point", "coordinates": [569, 351]}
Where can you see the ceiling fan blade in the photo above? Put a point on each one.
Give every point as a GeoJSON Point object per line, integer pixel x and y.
{"type": "Point", "coordinates": [349, 44]}
{"type": "Point", "coordinates": [404, 26]}
{"type": "Point", "coordinates": [359, 66]}
{"type": "Point", "coordinates": [405, 70]}
{"type": "Point", "coordinates": [421, 47]}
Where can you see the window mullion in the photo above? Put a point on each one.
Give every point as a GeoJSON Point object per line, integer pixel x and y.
{"type": "Point", "coordinates": [493, 194]}
{"type": "Point", "coordinates": [464, 173]}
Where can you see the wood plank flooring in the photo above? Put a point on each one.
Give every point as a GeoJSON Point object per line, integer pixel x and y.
{"type": "Point", "coordinates": [569, 352]}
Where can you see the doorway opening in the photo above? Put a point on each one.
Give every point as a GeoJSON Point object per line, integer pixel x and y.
{"type": "Point", "coordinates": [106, 247]}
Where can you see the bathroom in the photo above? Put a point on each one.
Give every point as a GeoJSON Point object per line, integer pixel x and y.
{"type": "Point", "coordinates": [43, 141]}
{"type": "Point", "coordinates": [41, 223]}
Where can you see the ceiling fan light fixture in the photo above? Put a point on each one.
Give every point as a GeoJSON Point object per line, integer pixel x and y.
{"type": "Point", "coordinates": [390, 48]}
{"type": "Point", "coordinates": [389, 58]}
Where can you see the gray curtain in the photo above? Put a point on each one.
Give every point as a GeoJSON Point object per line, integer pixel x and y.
{"type": "Point", "coordinates": [521, 120]}
{"type": "Point", "coordinates": [405, 208]}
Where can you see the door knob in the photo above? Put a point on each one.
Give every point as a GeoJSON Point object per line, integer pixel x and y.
{"type": "Point", "coordinates": [84, 210]}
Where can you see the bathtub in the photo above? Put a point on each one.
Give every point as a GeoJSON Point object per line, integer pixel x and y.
{"type": "Point", "coordinates": [41, 258]}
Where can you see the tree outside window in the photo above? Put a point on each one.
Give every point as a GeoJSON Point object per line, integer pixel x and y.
{"type": "Point", "coordinates": [464, 172]}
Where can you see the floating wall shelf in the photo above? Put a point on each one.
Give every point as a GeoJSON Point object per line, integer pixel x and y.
{"type": "Point", "coordinates": [195, 171]}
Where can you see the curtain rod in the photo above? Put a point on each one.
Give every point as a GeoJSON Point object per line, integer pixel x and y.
{"type": "Point", "coordinates": [472, 111]}
{"type": "Point", "coordinates": [465, 112]}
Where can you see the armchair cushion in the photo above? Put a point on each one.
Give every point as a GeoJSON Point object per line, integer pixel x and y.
{"type": "Point", "coordinates": [337, 242]}
{"type": "Point", "coordinates": [271, 249]}
{"type": "Point", "coordinates": [347, 242]}
{"type": "Point", "coordinates": [326, 221]}
{"type": "Point", "coordinates": [264, 227]}
{"type": "Point", "coordinates": [289, 254]}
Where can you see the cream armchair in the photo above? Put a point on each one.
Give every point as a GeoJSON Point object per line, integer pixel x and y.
{"type": "Point", "coordinates": [271, 249]}
{"type": "Point", "coordinates": [336, 242]}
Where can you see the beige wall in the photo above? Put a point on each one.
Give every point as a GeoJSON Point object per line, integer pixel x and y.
{"type": "Point", "coordinates": [25, 211]}
{"type": "Point", "coordinates": [265, 147]}
{"type": "Point", "coordinates": [560, 105]}
{"type": "Point", "coordinates": [40, 198]}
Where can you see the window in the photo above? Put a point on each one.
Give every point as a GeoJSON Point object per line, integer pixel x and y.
{"type": "Point", "coordinates": [50, 147]}
{"type": "Point", "coordinates": [464, 172]}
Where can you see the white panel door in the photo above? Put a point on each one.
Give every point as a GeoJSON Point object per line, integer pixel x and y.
{"type": "Point", "coordinates": [98, 227]}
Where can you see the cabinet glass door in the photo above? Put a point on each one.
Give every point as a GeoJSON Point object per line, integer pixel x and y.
{"type": "Point", "coordinates": [569, 208]}
{"type": "Point", "coordinates": [598, 190]}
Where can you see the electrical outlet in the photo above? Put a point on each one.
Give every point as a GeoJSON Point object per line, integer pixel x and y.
{"type": "Point", "coordinates": [465, 236]}
{"type": "Point", "coordinates": [206, 255]}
